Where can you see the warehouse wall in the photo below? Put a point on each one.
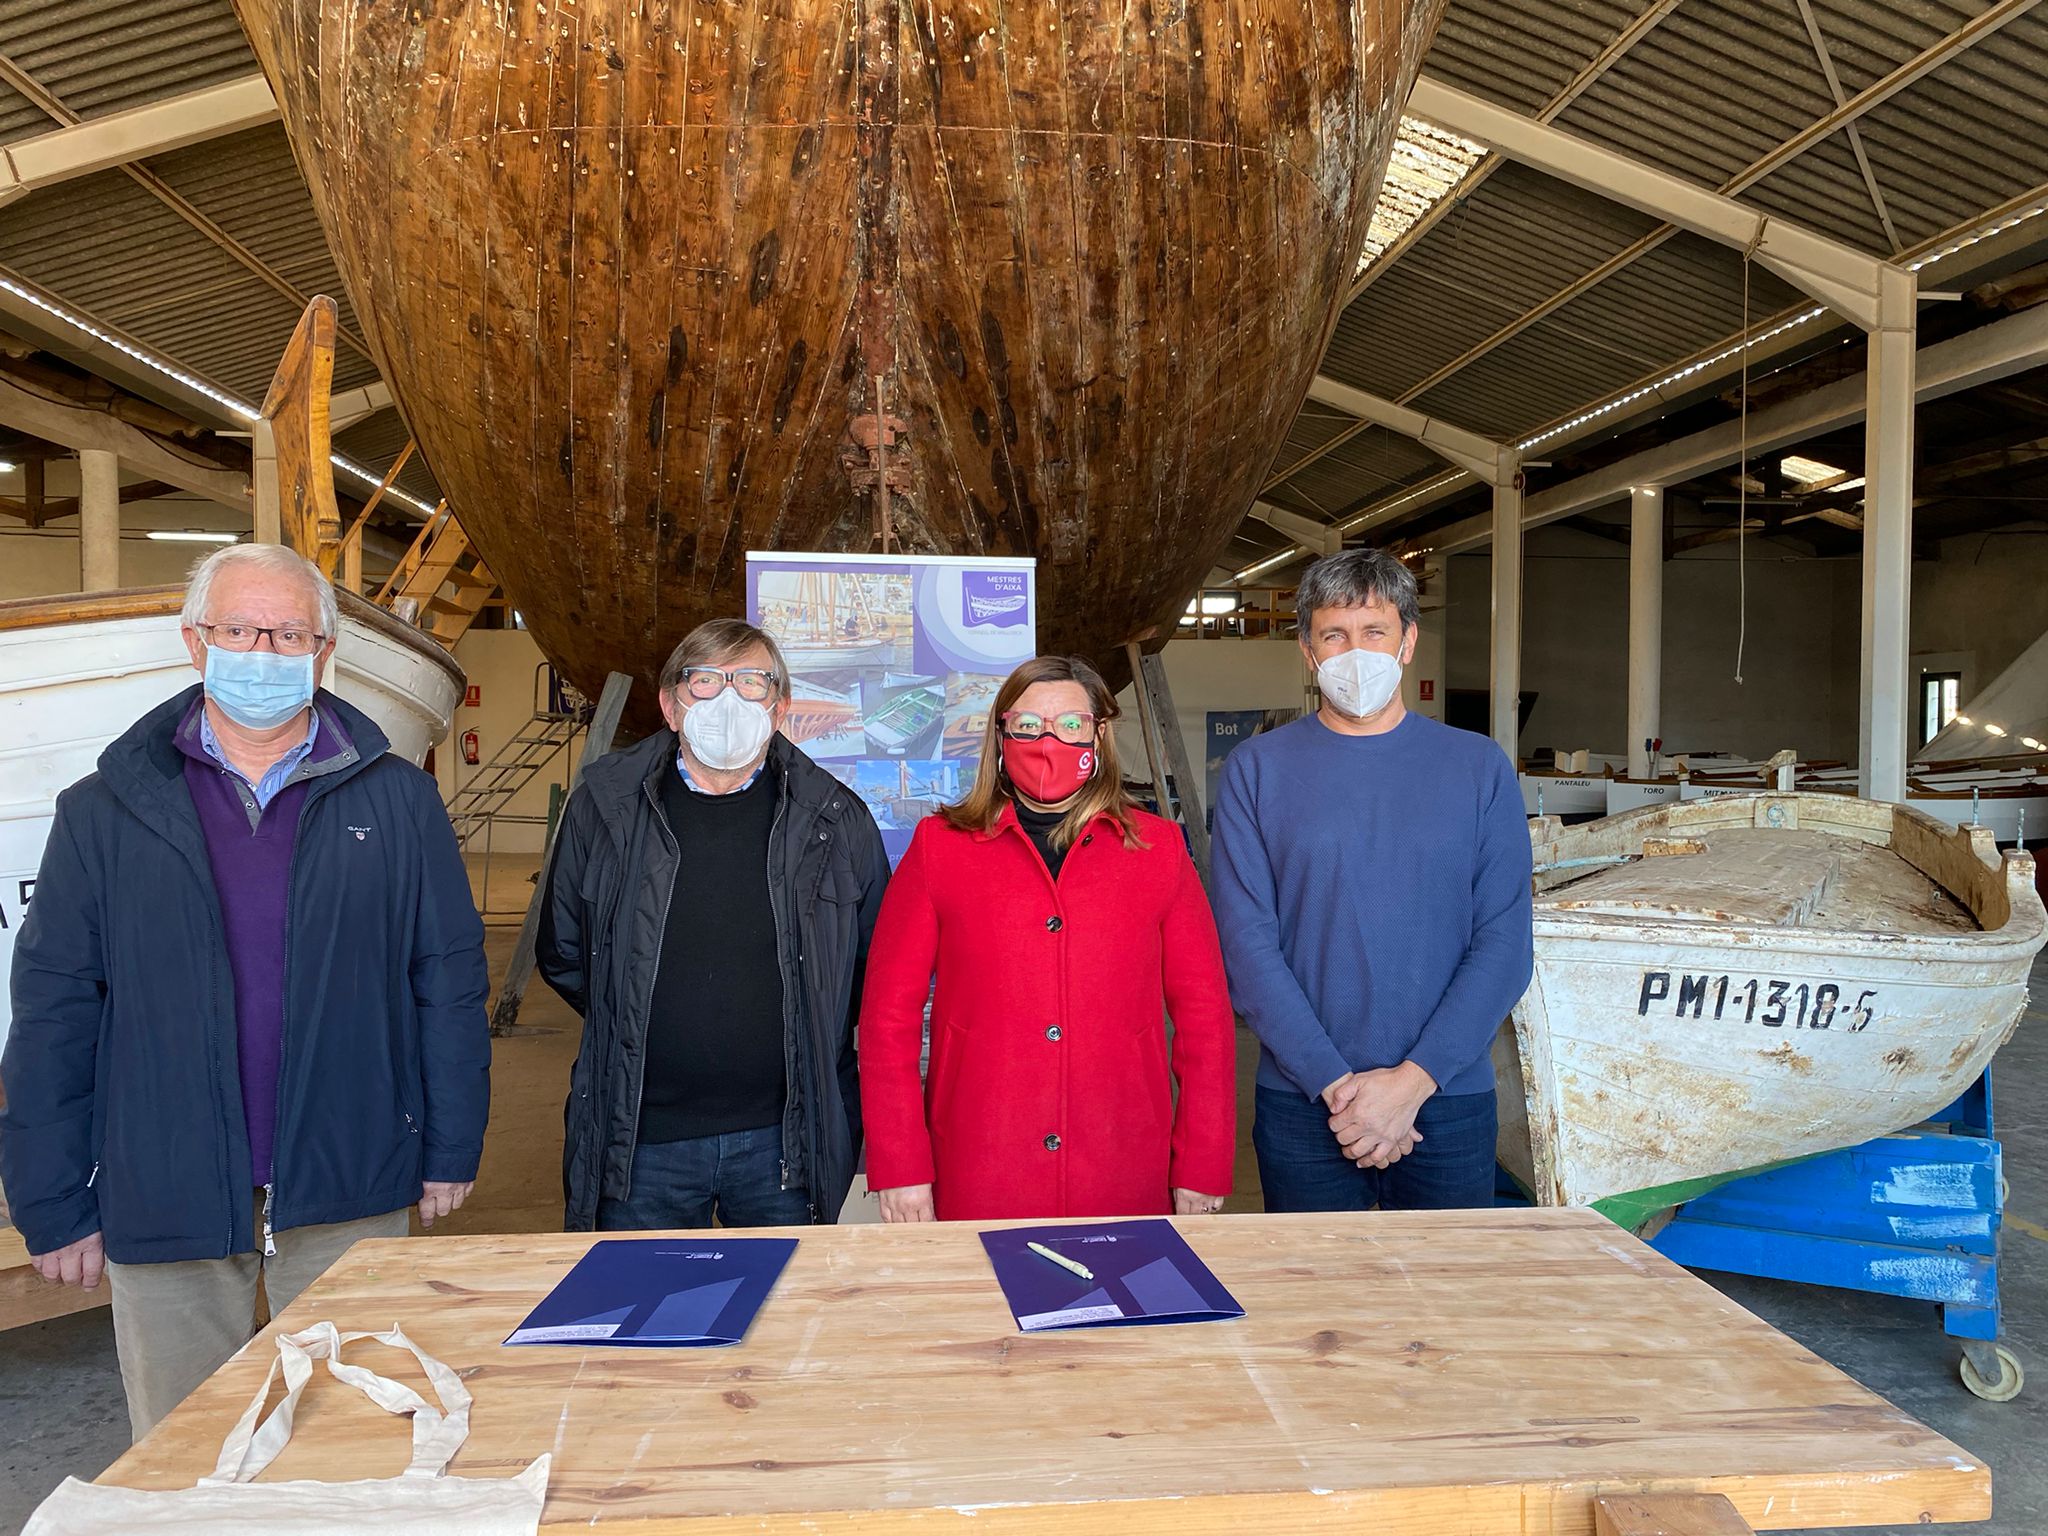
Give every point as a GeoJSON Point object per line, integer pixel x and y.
{"type": "Point", "coordinates": [39, 562]}
{"type": "Point", "coordinates": [1981, 604]}
{"type": "Point", "coordinates": [500, 664]}
{"type": "Point", "coordinates": [1800, 663]}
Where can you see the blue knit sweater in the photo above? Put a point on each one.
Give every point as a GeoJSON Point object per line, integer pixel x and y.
{"type": "Point", "coordinates": [1373, 898]}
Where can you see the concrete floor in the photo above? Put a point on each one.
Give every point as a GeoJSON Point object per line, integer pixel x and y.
{"type": "Point", "coordinates": [61, 1410]}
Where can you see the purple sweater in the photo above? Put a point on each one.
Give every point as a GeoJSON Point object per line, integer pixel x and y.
{"type": "Point", "coordinates": [252, 863]}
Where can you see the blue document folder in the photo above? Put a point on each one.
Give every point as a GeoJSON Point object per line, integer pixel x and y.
{"type": "Point", "coordinates": [1144, 1272]}
{"type": "Point", "coordinates": [660, 1292]}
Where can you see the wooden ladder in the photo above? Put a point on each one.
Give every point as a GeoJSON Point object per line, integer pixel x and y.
{"type": "Point", "coordinates": [442, 583]}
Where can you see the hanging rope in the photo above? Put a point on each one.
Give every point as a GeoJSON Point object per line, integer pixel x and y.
{"type": "Point", "coordinates": [1742, 475]}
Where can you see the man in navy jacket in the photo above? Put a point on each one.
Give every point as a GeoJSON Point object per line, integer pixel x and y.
{"type": "Point", "coordinates": [249, 1022]}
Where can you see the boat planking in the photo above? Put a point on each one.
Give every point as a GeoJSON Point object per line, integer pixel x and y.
{"type": "Point", "coordinates": [655, 284]}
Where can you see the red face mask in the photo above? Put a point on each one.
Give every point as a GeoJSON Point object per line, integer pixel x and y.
{"type": "Point", "coordinates": [1048, 770]}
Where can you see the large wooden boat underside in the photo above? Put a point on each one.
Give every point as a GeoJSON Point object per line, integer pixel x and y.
{"type": "Point", "coordinates": [658, 283]}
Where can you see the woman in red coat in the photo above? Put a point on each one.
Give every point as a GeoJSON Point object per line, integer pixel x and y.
{"type": "Point", "coordinates": [1063, 925]}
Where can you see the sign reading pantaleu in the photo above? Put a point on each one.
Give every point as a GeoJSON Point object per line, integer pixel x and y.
{"type": "Point", "coordinates": [894, 663]}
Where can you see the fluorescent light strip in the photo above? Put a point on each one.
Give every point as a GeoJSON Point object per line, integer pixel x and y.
{"type": "Point", "coordinates": [1676, 376]}
{"type": "Point", "coordinates": [197, 385]}
{"type": "Point", "coordinates": [192, 536]}
{"type": "Point", "coordinates": [1983, 234]}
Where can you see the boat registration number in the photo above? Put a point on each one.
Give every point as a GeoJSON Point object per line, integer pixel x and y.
{"type": "Point", "coordinates": [1756, 1000]}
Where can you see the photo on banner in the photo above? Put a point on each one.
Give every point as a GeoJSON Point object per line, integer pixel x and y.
{"type": "Point", "coordinates": [894, 661]}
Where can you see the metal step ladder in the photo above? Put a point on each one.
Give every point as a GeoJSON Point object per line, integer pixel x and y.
{"type": "Point", "coordinates": [558, 715]}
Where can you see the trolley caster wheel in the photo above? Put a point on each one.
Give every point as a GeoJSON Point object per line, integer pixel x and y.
{"type": "Point", "coordinates": [2005, 1386]}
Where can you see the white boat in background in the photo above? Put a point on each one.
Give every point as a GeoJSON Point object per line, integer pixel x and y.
{"type": "Point", "coordinates": [76, 671]}
{"type": "Point", "coordinates": [1727, 983]}
{"type": "Point", "coordinates": [1574, 784]}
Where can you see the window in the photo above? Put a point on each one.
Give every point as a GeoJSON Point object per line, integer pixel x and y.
{"type": "Point", "coordinates": [1940, 698]}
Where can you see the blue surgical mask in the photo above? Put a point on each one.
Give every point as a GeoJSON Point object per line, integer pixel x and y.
{"type": "Point", "coordinates": [258, 690]}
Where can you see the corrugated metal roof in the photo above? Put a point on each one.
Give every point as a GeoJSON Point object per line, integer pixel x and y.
{"type": "Point", "coordinates": [1708, 90]}
{"type": "Point", "coordinates": [101, 56]}
{"type": "Point", "coordinates": [375, 442]}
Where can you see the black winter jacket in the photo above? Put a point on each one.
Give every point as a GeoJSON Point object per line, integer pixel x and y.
{"type": "Point", "coordinates": [614, 862]}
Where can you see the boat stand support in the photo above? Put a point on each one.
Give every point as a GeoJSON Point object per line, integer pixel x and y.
{"type": "Point", "coordinates": [1916, 1214]}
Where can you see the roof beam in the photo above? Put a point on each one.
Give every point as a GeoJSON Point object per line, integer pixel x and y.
{"type": "Point", "coordinates": [1985, 355]}
{"type": "Point", "coordinates": [1495, 463]}
{"type": "Point", "coordinates": [1845, 279]}
{"type": "Point", "coordinates": [1315, 538]}
{"type": "Point", "coordinates": [82, 430]}
{"type": "Point", "coordinates": [351, 406]}
{"type": "Point", "coordinates": [45, 99]}
{"type": "Point", "coordinates": [101, 143]}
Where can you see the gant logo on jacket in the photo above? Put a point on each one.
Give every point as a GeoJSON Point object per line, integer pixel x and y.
{"type": "Point", "coordinates": [362, 832]}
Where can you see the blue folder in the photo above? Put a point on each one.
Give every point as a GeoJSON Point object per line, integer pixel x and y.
{"type": "Point", "coordinates": [659, 1292]}
{"type": "Point", "coordinates": [1144, 1273]}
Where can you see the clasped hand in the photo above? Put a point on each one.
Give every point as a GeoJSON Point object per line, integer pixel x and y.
{"type": "Point", "coordinates": [1372, 1114]}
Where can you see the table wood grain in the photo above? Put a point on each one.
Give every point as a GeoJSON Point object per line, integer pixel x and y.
{"type": "Point", "coordinates": [1439, 1374]}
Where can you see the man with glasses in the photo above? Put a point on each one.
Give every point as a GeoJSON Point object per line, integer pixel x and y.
{"type": "Point", "coordinates": [710, 900]}
{"type": "Point", "coordinates": [249, 1021]}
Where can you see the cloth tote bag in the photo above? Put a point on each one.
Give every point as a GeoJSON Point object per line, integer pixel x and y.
{"type": "Point", "coordinates": [421, 1500]}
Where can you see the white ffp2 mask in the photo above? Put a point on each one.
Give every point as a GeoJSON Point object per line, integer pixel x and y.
{"type": "Point", "coordinates": [1360, 683]}
{"type": "Point", "coordinates": [727, 732]}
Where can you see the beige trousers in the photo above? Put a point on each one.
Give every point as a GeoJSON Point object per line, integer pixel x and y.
{"type": "Point", "coordinates": [176, 1324]}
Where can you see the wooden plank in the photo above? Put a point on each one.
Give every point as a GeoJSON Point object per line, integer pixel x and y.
{"type": "Point", "coordinates": [1667, 1514]}
{"type": "Point", "coordinates": [296, 409]}
{"type": "Point", "coordinates": [1468, 1373]}
{"type": "Point", "coordinates": [604, 729]}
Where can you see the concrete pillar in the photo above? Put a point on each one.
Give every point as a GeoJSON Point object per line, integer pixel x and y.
{"type": "Point", "coordinates": [1888, 544]}
{"type": "Point", "coordinates": [99, 520]}
{"type": "Point", "coordinates": [267, 505]}
{"type": "Point", "coordinates": [1504, 677]}
{"type": "Point", "coordinates": [1645, 623]}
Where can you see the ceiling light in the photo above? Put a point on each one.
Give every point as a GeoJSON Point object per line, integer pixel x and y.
{"type": "Point", "coordinates": [192, 536]}
{"type": "Point", "coordinates": [1426, 166]}
{"type": "Point", "coordinates": [2029, 742]}
{"type": "Point", "coordinates": [1213, 604]}
{"type": "Point", "coordinates": [197, 385]}
{"type": "Point", "coordinates": [7, 468]}
{"type": "Point", "coordinates": [1995, 730]}
{"type": "Point", "coordinates": [1964, 720]}
{"type": "Point", "coordinates": [1807, 472]}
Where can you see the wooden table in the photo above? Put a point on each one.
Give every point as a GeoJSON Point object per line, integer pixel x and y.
{"type": "Point", "coordinates": [1454, 1374]}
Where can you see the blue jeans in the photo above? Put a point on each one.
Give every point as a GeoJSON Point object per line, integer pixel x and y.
{"type": "Point", "coordinates": [737, 1175]}
{"type": "Point", "coordinates": [1304, 1169]}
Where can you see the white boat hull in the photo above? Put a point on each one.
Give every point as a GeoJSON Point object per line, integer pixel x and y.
{"type": "Point", "coordinates": [68, 689]}
{"type": "Point", "coordinates": [1649, 1052]}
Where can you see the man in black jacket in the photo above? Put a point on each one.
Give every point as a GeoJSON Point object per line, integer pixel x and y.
{"type": "Point", "coordinates": [709, 906]}
{"type": "Point", "coordinates": [249, 1019]}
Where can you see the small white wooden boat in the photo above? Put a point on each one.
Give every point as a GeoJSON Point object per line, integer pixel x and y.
{"type": "Point", "coordinates": [1728, 983]}
{"type": "Point", "coordinates": [76, 671]}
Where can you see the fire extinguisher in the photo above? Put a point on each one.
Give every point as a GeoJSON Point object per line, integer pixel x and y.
{"type": "Point", "coordinates": [469, 748]}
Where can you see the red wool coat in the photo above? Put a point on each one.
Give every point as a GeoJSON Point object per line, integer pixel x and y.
{"type": "Point", "coordinates": [1049, 1091]}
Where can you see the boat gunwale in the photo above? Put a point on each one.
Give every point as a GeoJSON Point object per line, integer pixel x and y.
{"type": "Point", "coordinates": [25, 613]}
{"type": "Point", "coordinates": [2025, 926]}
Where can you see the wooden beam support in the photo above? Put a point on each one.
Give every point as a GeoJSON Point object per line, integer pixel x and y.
{"type": "Point", "coordinates": [1667, 1514]}
{"type": "Point", "coordinates": [80, 429]}
{"type": "Point", "coordinates": [296, 412]}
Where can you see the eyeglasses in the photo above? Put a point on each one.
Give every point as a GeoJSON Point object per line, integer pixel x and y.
{"type": "Point", "coordinates": [752, 683]}
{"type": "Point", "coordinates": [285, 639]}
{"type": "Point", "coordinates": [1076, 727]}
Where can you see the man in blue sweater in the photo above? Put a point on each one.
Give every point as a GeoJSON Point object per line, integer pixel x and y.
{"type": "Point", "coordinates": [1372, 889]}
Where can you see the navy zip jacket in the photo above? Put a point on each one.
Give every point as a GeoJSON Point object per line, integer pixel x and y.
{"type": "Point", "coordinates": [123, 1100]}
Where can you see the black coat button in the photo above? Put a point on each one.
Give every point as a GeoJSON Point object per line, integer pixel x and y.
{"type": "Point", "coordinates": [1052, 1143]}
{"type": "Point", "coordinates": [1053, 1033]}
{"type": "Point", "coordinates": [1053, 925]}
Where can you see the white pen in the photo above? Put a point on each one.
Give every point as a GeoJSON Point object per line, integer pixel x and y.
{"type": "Point", "coordinates": [1062, 1260]}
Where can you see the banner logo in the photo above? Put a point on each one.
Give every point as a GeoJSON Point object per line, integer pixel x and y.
{"type": "Point", "coordinates": [994, 599]}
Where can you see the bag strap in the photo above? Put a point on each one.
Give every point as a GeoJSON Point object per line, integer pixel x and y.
{"type": "Point", "coordinates": [437, 1434]}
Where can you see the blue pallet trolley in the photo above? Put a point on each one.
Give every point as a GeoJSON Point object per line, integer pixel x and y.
{"type": "Point", "coordinates": [1915, 1214]}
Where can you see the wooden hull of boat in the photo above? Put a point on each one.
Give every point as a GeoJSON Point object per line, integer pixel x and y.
{"type": "Point", "coordinates": [1653, 1053]}
{"type": "Point", "coordinates": [77, 672]}
{"type": "Point", "coordinates": [657, 284]}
